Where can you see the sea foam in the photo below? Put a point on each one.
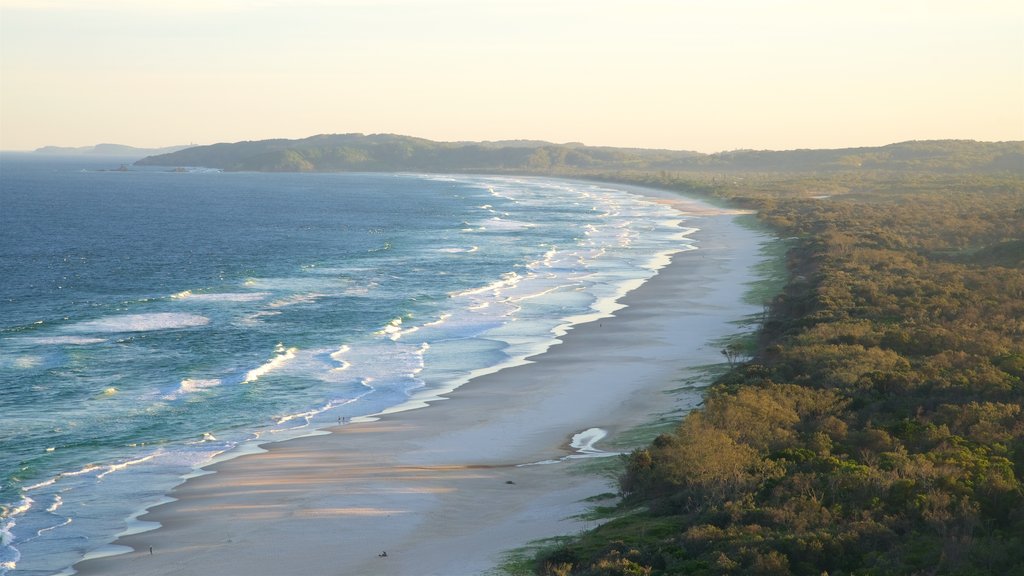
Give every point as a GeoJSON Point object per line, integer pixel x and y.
{"type": "Point", "coordinates": [63, 340]}
{"type": "Point", "coordinates": [140, 323]}
{"type": "Point", "coordinates": [190, 386]}
{"type": "Point", "coordinates": [220, 296]}
{"type": "Point", "coordinates": [284, 355]}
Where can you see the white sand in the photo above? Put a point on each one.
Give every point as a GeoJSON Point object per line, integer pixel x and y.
{"type": "Point", "coordinates": [438, 488]}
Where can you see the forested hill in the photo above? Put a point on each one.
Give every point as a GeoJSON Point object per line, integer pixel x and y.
{"type": "Point", "coordinates": [386, 152]}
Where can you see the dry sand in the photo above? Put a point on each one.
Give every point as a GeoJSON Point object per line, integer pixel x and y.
{"type": "Point", "coordinates": [439, 488]}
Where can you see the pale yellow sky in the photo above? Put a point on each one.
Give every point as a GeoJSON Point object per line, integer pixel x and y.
{"type": "Point", "coordinates": [681, 74]}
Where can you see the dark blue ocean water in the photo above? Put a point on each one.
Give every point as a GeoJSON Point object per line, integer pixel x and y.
{"type": "Point", "coordinates": [152, 320]}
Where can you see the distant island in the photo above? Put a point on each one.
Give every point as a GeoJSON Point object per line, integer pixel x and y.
{"type": "Point", "coordinates": [106, 150]}
{"type": "Point", "coordinates": [389, 152]}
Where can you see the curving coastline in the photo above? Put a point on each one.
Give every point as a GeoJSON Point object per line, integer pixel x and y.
{"type": "Point", "coordinates": [439, 489]}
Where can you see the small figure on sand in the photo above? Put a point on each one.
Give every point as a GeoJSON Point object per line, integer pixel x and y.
{"type": "Point", "coordinates": [383, 554]}
{"type": "Point", "coordinates": [150, 550]}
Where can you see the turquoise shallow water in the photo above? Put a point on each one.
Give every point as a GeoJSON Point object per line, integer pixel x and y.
{"type": "Point", "coordinates": [151, 321]}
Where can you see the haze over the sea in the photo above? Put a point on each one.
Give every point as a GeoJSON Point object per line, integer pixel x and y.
{"type": "Point", "coordinates": [649, 73]}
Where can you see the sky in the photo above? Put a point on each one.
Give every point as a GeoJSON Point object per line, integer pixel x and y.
{"type": "Point", "coordinates": [698, 75]}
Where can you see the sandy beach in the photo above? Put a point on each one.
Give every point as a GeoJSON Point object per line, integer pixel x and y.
{"type": "Point", "coordinates": [442, 489]}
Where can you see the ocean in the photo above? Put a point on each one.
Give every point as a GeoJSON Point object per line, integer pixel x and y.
{"type": "Point", "coordinates": [152, 321]}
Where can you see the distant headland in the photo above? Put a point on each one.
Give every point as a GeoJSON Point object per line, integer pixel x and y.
{"type": "Point", "coordinates": [107, 150]}
{"type": "Point", "coordinates": [389, 152]}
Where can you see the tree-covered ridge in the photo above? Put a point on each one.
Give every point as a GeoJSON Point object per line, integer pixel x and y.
{"type": "Point", "coordinates": [878, 427]}
{"type": "Point", "coordinates": [386, 152]}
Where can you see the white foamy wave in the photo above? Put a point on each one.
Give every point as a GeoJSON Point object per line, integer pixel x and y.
{"type": "Point", "coordinates": [39, 485]}
{"type": "Point", "coordinates": [57, 502]}
{"type": "Point", "coordinates": [85, 470]}
{"type": "Point", "coordinates": [420, 355]}
{"type": "Point", "coordinates": [141, 323]}
{"type": "Point", "coordinates": [501, 224]}
{"type": "Point", "coordinates": [6, 538]}
{"type": "Point", "coordinates": [63, 340]}
{"type": "Point", "coordinates": [297, 299]}
{"type": "Point", "coordinates": [398, 335]}
{"type": "Point", "coordinates": [42, 531]}
{"type": "Point", "coordinates": [308, 415]}
{"type": "Point", "coordinates": [337, 356]}
{"type": "Point", "coordinates": [508, 280]}
{"type": "Point", "coordinates": [254, 318]}
{"type": "Point", "coordinates": [20, 508]}
{"type": "Point", "coordinates": [497, 194]}
{"type": "Point", "coordinates": [547, 260]}
{"type": "Point", "coordinates": [220, 296]}
{"type": "Point", "coordinates": [394, 330]}
{"type": "Point", "coordinates": [284, 355]}
{"type": "Point", "coordinates": [440, 320]}
{"type": "Point", "coordinates": [469, 250]}
{"type": "Point", "coordinates": [122, 465]}
{"type": "Point", "coordinates": [543, 292]}
{"type": "Point", "coordinates": [189, 386]}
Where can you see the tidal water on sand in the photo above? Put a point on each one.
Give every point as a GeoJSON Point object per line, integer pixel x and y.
{"type": "Point", "coordinates": [152, 321]}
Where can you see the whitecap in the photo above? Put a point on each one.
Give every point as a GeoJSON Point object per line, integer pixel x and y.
{"type": "Point", "coordinates": [296, 299]}
{"type": "Point", "coordinates": [394, 330]}
{"type": "Point", "coordinates": [308, 415]}
{"type": "Point", "coordinates": [141, 322]}
{"type": "Point", "coordinates": [338, 356]}
{"type": "Point", "coordinates": [42, 531]}
{"type": "Point", "coordinates": [189, 386]}
{"type": "Point", "coordinates": [507, 280]}
{"type": "Point", "coordinates": [221, 296]}
{"type": "Point", "coordinates": [24, 506]}
{"type": "Point", "coordinates": [6, 538]}
{"type": "Point", "coordinates": [497, 223]}
{"type": "Point", "coordinates": [63, 340]}
{"type": "Point", "coordinates": [27, 362]}
{"type": "Point", "coordinates": [122, 465]}
{"type": "Point", "coordinates": [440, 320]}
{"type": "Point", "coordinates": [284, 355]}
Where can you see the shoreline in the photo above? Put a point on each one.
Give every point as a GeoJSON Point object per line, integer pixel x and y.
{"type": "Point", "coordinates": [441, 489]}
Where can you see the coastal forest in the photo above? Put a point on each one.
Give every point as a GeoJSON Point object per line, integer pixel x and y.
{"type": "Point", "coordinates": [873, 424]}
{"type": "Point", "coordinates": [876, 426]}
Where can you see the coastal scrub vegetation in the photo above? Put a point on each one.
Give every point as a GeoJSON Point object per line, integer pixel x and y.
{"type": "Point", "coordinates": [879, 427]}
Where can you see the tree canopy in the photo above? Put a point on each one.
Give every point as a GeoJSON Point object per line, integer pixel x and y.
{"type": "Point", "coordinates": [878, 429]}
